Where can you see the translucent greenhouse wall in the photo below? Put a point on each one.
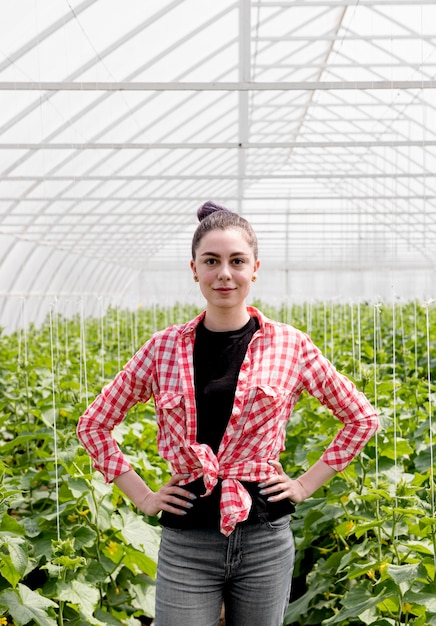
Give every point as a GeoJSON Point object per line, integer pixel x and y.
{"type": "Point", "coordinates": [89, 288]}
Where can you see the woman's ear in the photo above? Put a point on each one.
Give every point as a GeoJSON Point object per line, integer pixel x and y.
{"type": "Point", "coordinates": [194, 270]}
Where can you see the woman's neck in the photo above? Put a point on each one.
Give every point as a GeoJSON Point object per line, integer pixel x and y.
{"type": "Point", "coordinates": [225, 319]}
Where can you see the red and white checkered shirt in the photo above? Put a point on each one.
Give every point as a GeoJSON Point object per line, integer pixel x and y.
{"type": "Point", "coordinates": [280, 363]}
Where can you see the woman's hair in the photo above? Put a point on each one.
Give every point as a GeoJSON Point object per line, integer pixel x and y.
{"type": "Point", "coordinates": [213, 216]}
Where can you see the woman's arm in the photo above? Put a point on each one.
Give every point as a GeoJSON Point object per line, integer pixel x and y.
{"type": "Point", "coordinates": [299, 489]}
{"type": "Point", "coordinates": [169, 498]}
{"type": "Point", "coordinates": [349, 405]}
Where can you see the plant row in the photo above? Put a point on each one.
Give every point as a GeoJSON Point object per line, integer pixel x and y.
{"type": "Point", "coordinates": [73, 550]}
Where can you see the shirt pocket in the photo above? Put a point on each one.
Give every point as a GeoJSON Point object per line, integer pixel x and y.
{"type": "Point", "coordinates": [171, 414]}
{"type": "Point", "coordinates": [263, 404]}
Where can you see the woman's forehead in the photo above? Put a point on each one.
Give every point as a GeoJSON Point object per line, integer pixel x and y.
{"type": "Point", "coordinates": [232, 237]}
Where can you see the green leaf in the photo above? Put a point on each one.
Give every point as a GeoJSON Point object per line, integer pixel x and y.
{"type": "Point", "coordinates": [71, 563]}
{"type": "Point", "coordinates": [361, 570]}
{"type": "Point", "coordinates": [402, 448]}
{"type": "Point", "coordinates": [14, 564]}
{"type": "Point", "coordinates": [80, 594]}
{"type": "Point", "coordinates": [423, 547]}
{"type": "Point", "coordinates": [22, 439]}
{"type": "Point", "coordinates": [139, 561]}
{"type": "Point", "coordinates": [425, 598]}
{"type": "Point", "coordinates": [356, 602]}
{"type": "Point", "coordinates": [144, 598]}
{"type": "Point", "coordinates": [136, 532]}
{"type": "Point", "coordinates": [25, 605]}
{"type": "Point", "coordinates": [300, 606]}
{"type": "Point", "coordinates": [78, 487]}
{"type": "Point", "coordinates": [362, 529]}
{"type": "Point", "coordinates": [404, 573]}
{"type": "Point", "coordinates": [107, 618]}
{"type": "Point", "coordinates": [10, 525]}
{"type": "Point", "coordinates": [84, 537]}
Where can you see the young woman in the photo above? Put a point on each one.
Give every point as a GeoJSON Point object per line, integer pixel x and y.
{"type": "Point", "coordinates": [224, 386]}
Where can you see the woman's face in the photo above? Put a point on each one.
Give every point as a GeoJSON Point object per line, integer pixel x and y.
{"type": "Point", "coordinates": [225, 265]}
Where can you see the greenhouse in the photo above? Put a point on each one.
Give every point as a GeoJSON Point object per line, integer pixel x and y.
{"type": "Point", "coordinates": [315, 121]}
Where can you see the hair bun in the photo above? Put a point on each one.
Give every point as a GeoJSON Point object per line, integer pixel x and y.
{"type": "Point", "coordinates": [208, 208]}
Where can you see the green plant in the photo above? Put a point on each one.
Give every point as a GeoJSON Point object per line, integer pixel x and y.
{"type": "Point", "coordinates": [73, 550]}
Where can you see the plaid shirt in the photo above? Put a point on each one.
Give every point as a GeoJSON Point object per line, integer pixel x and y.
{"type": "Point", "coordinates": [279, 364]}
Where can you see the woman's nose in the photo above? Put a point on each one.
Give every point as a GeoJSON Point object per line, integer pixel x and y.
{"type": "Point", "coordinates": [224, 272]}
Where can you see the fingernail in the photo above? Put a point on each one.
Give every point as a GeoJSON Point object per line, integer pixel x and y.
{"type": "Point", "coordinates": [192, 496]}
{"type": "Point", "coordinates": [261, 485]}
{"type": "Point", "coordinates": [186, 475]}
{"type": "Point", "coordinates": [189, 504]}
{"type": "Point", "coordinates": [262, 491]}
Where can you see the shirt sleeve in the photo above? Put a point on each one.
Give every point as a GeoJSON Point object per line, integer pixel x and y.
{"type": "Point", "coordinates": [340, 395]}
{"type": "Point", "coordinates": [94, 430]}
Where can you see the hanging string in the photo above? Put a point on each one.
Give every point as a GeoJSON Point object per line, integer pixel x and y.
{"type": "Point", "coordinates": [23, 363]}
{"type": "Point", "coordinates": [415, 330]}
{"type": "Point", "coordinates": [353, 347]}
{"type": "Point", "coordinates": [102, 336]}
{"type": "Point", "coordinates": [403, 343]}
{"type": "Point", "coordinates": [394, 393]}
{"type": "Point", "coordinates": [309, 318]}
{"type": "Point", "coordinates": [154, 317]}
{"type": "Point", "coordinates": [132, 332]}
{"type": "Point", "coordinates": [325, 328]}
{"type": "Point", "coordinates": [118, 330]}
{"type": "Point", "coordinates": [83, 385]}
{"type": "Point", "coordinates": [359, 340]}
{"type": "Point", "coordinates": [377, 326]}
{"type": "Point", "coordinates": [332, 337]}
{"type": "Point", "coordinates": [430, 417]}
{"type": "Point", "coordinates": [53, 351]}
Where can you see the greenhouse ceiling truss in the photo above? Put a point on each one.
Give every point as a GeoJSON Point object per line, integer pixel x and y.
{"type": "Point", "coordinates": [315, 120]}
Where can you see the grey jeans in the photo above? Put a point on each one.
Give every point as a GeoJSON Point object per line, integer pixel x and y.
{"type": "Point", "coordinates": [250, 571]}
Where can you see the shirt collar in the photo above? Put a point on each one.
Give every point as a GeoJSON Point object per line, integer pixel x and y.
{"type": "Point", "coordinates": [190, 326]}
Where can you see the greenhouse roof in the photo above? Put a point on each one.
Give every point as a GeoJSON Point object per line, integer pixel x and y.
{"type": "Point", "coordinates": [315, 119]}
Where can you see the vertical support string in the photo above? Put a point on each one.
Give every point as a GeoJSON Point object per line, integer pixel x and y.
{"type": "Point", "coordinates": [415, 330]}
{"type": "Point", "coordinates": [325, 328]}
{"type": "Point", "coordinates": [53, 351]}
{"type": "Point", "coordinates": [83, 367]}
{"type": "Point", "coordinates": [394, 394]}
{"type": "Point", "coordinates": [23, 363]}
{"type": "Point", "coordinates": [332, 336]}
{"type": "Point", "coordinates": [118, 338]}
{"type": "Point", "coordinates": [359, 339]}
{"type": "Point", "coordinates": [102, 336]}
{"type": "Point", "coordinates": [403, 343]}
{"type": "Point", "coordinates": [353, 340]}
{"type": "Point", "coordinates": [430, 421]}
{"type": "Point", "coordinates": [377, 325]}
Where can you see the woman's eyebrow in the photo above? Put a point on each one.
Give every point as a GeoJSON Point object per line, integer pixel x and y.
{"type": "Point", "coordinates": [216, 254]}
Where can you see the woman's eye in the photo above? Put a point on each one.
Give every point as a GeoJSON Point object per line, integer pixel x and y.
{"type": "Point", "coordinates": [210, 261]}
{"type": "Point", "coordinates": [238, 261]}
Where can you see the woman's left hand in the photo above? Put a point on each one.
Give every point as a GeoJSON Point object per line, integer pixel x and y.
{"type": "Point", "coordinates": [282, 486]}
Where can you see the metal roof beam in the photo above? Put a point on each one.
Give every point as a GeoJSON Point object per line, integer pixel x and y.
{"type": "Point", "coordinates": [216, 86]}
{"type": "Point", "coordinates": [40, 37]}
{"type": "Point", "coordinates": [196, 177]}
{"type": "Point", "coordinates": [280, 145]}
{"type": "Point", "coordinates": [176, 198]}
{"type": "Point", "coordinates": [336, 3]}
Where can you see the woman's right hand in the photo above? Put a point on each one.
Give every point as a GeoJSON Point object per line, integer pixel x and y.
{"type": "Point", "coordinates": [170, 498]}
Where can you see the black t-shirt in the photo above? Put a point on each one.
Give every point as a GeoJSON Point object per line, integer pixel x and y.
{"type": "Point", "coordinates": [218, 357]}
